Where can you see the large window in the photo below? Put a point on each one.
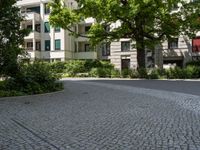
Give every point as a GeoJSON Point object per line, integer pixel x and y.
{"type": "Point", "coordinates": [47, 45]}
{"type": "Point", "coordinates": [57, 44]}
{"type": "Point", "coordinates": [173, 43]}
{"type": "Point", "coordinates": [46, 9]}
{"type": "Point", "coordinates": [196, 45]}
{"type": "Point", "coordinates": [46, 27]}
{"type": "Point", "coordinates": [106, 49]}
{"type": "Point", "coordinates": [125, 46]}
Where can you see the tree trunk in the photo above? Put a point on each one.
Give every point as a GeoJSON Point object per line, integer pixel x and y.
{"type": "Point", "coordinates": [140, 53]}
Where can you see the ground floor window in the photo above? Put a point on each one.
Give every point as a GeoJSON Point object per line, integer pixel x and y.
{"type": "Point", "coordinates": [125, 64]}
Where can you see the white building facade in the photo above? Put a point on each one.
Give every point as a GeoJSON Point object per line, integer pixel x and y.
{"type": "Point", "coordinates": [55, 44]}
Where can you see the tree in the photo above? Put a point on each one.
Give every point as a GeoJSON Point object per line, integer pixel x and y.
{"type": "Point", "coordinates": [147, 22]}
{"type": "Point", "coordinates": [11, 37]}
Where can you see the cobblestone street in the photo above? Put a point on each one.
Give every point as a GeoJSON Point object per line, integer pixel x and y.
{"type": "Point", "coordinates": [101, 116]}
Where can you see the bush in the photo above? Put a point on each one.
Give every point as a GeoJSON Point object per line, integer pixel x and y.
{"type": "Point", "coordinates": [192, 72]}
{"type": "Point", "coordinates": [58, 67]}
{"type": "Point", "coordinates": [193, 63]}
{"type": "Point", "coordinates": [125, 73]}
{"type": "Point", "coordinates": [34, 78]}
{"type": "Point", "coordinates": [134, 73]}
{"type": "Point", "coordinates": [154, 74]}
{"type": "Point", "coordinates": [115, 73]}
{"type": "Point", "coordinates": [73, 67]}
{"type": "Point", "coordinates": [142, 73]}
{"type": "Point", "coordinates": [100, 72]}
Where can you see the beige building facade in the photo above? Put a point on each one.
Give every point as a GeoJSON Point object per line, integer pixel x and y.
{"type": "Point", "coordinates": [55, 44]}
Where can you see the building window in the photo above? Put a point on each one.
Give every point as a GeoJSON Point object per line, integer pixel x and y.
{"type": "Point", "coordinates": [173, 43]}
{"type": "Point", "coordinates": [46, 27]}
{"type": "Point", "coordinates": [37, 28]}
{"type": "Point", "coordinates": [87, 47]}
{"type": "Point", "coordinates": [29, 45]}
{"type": "Point", "coordinates": [47, 45]}
{"type": "Point", "coordinates": [38, 46]}
{"type": "Point", "coordinates": [57, 45]}
{"type": "Point", "coordinates": [87, 28]}
{"type": "Point", "coordinates": [34, 9]}
{"type": "Point", "coordinates": [46, 9]}
{"type": "Point", "coordinates": [57, 29]}
{"type": "Point", "coordinates": [29, 27]}
{"type": "Point", "coordinates": [196, 45]}
{"type": "Point", "coordinates": [106, 49]}
{"type": "Point", "coordinates": [125, 46]}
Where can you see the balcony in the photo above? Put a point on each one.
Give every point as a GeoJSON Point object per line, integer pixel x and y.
{"type": "Point", "coordinates": [85, 55]}
{"type": "Point", "coordinates": [81, 39]}
{"type": "Point", "coordinates": [27, 2]}
{"type": "Point", "coordinates": [31, 16]}
{"type": "Point", "coordinates": [33, 35]}
{"type": "Point", "coordinates": [52, 54]}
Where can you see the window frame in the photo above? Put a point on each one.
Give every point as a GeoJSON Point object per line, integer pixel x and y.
{"type": "Point", "coordinates": [45, 27]}
{"type": "Point", "coordinates": [128, 48]}
{"type": "Point", "coordinates": [46, 9]}
{"type": "Point", "coordinates": [57, 48]}
{"type": "Point", "coordinates": [173, 43]}
{"type": "Point", "coordinates": [45, 46]}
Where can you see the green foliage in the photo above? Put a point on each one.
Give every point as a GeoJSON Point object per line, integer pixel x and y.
{"type": "Point", "coordinates": [11, 37]}
{"type": "Point", "coordinates": [142, 73]}
{"type": "Point", "coordinates": [148, 22]}
{"type": "Point", "coordinates": [125, 73]}
{"type": "Point", "coordinates": [115, 73]}
{"type": "Point", "coordinates": [58, 67]}
{"type": "Point", "coordinates": [193, 63]}
{"type": "Point", "coordinates": [186, 73]}
{"type": "Point", "coordinates": [73, 67]}
{"type": "Point", "coordinates": [34, 78]}
{"type": "Point", "coordinates": [81, 68]}
{"type": "Point", "coordinates": [100, 72]}
{"type": "Point", "coordinates": [154, 74]}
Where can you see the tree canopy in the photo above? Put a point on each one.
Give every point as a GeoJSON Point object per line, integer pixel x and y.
{"type": "Point", "coordinates": [147, 22]}
{"type": "Point", "coordinates": [11, 37]}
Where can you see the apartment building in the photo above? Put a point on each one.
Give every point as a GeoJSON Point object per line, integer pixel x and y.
{"type": "Point", "coordinates": [48, 43]}
{"type": "Point", "coordinates": [55, 44]}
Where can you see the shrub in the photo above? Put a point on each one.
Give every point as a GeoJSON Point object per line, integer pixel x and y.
{"type": "Point", "coordinates": [134, 73]}
{"type": "Point", "coordinates": [193, 63]}
{"type": "Point", "coordinates": [100, 72]}
{"type": "Point", "coordinates": [58, 67]}
{"type": "Point", "coordinates": [142, 73]}
{"type": "Point", "coordinates": [73, 67]}
{"type": "Point", "coordinates": [125, 73]}
{"type": "Point", "coordinates": [115, 73]}
{"type": "Point", "coordinates": [154, 74]}
{"type": "Point", "coordinates": [34, 78]}
{"type": "Point", "coordinates": [192, 72]}
{"type": "Point", "coordinates": [94, 72]}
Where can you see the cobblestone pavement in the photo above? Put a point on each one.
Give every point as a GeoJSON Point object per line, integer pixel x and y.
{"type": "Point", "coordinates": [100, 116]}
